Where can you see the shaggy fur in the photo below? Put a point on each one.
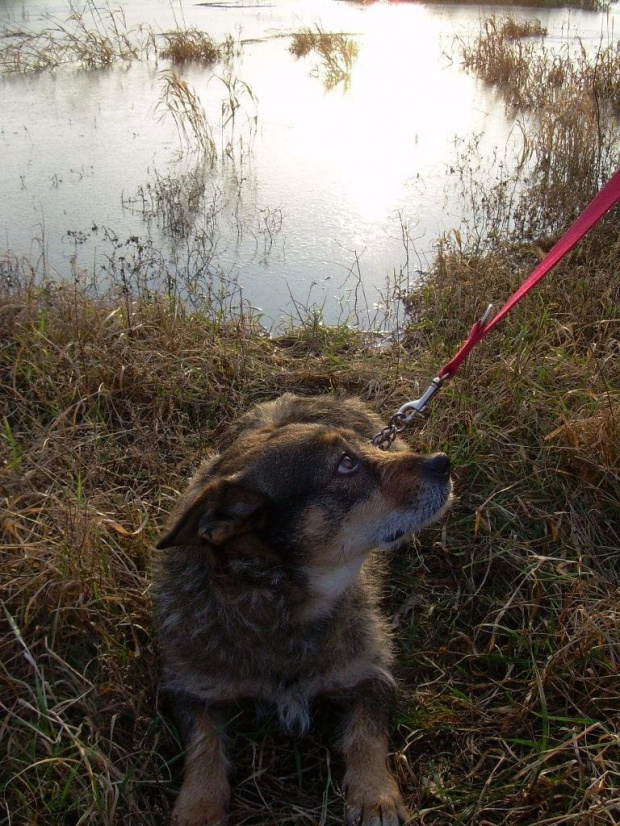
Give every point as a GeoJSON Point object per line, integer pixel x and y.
{"type": "Point", "coordinates": [267, 590]}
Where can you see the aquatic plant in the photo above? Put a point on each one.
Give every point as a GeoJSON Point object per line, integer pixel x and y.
{"type": "Point", "coordinates": [337, 53]}
{"type": "Point", "coordinates": [172, 201]}
{"type": "Point", "coordinates": [566, 104]}
{"type": "Point", "coordinates": [529, 75]}
{"type": "Point", "coordinates": [190, 45]}
{"type": "Point", "coordinates": [92, 36]}
{"type": "Point", "coordinates": [181, 101]}
{"type": "Point", "coordinates": [512, 29]}
{"type": "Point", "coordinates": [239, 98]}
{"type": "Point", "coordinates": [196, 134]}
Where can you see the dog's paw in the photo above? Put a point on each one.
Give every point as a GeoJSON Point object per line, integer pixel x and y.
{"type": "Point", "coordinates": [198, 812]}
{"type": "Point", "coordinates": [376, 806]}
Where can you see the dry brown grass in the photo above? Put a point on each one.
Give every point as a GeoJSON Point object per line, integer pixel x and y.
{"type": "Point", "coordinates": [96, 36]}
{"type": "Point", "coordinates": [181, 101]}
{"type": "Point", "coordinates": [514, 29]}
{"type": "Point", "coordinates": [507, 616]}
{"type": "Point", "coordinates": [91, 36]}
{"type": "Point", "coordinates": [336, 52]}
{"type": "Point", "coordinates": [191, 44]}
{"type": "Point", "coordinates": [566, 106]}
{"type": "Point", "coordinates": [509, 53]}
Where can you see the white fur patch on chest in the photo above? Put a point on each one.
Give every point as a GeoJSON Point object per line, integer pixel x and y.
{"type": "Point", "coordinates": [293, 707]}
{"type": "Point", "coordinates": [329, 583]}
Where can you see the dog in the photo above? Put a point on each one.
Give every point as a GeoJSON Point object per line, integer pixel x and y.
{"type": "Point", "coordinates": [267, 589]}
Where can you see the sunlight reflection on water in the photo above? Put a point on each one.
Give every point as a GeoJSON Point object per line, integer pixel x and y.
{"type": "Point", "coordinates": [332, 178]}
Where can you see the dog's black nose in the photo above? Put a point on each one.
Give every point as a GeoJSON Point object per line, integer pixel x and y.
{"type": "Point", "coordinates": [437, 465]}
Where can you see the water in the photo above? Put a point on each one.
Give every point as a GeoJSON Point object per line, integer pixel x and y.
{"type": "Point", "coordinates": [328, 192]}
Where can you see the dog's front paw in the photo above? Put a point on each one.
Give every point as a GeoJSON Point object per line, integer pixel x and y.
{"type": "Point", "coordinates": [376, 805]}
{"type": "Point", "coordinates": [198, 811]}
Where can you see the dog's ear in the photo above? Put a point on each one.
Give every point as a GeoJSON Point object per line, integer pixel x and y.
{"type": "Point", "coordinates": [221, 510]}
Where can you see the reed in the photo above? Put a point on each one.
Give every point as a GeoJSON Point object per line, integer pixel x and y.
{"type": "Point", "coordinates": [91, 36]}
{"type": "Point", "coordinates": [183, 45]}
{"type": "Point", "coordinates": [180, 100]}
{"type": "Point", "coordinates": [336, 51]}
{"type": "Point", "coordinates": [509, 54]}
{"type": "Point", "coordinates": [566, 104]}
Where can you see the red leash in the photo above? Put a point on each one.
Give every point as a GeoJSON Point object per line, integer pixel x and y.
{"type": "Point", "coordinates": [608, 196]}
{"type": "Point", "coordinates": [600, 204]}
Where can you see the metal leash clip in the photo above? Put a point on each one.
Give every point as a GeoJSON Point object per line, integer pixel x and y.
{"type": "Point", "coordinates": [402, 418]}
{"type": "Point", "coordinates": [410, 409]}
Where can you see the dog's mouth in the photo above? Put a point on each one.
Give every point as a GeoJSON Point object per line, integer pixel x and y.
{"type": "Point", "coordinates": [404, 525]}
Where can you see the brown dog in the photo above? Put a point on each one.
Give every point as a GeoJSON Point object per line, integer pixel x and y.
{"type": "Point", "coordinates": [267, 590]}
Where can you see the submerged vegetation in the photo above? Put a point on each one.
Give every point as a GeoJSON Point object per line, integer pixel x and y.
{"type": "Point", "coordinates": [507, 616]}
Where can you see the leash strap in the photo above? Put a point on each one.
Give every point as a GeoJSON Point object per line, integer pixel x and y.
{"type": "Point", "coordinates": [608, 196]}
{"type": "Point", "coordinates": [600, 204]}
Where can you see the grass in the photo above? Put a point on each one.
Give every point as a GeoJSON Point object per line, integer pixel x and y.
{"type": "Point", "coordinates": [506, 615]}
{"type": "Point", "coordinates": [91, 36]}
{"type": "Point", "coordinates": [565, 102]}
{"type": "Point", "coordinates": [94, 36]}
{"type": "Point", "coordinates": [191, 44]}
{"type": "Point", "coordinates": [336, 52]}
{"type": "Point", "coordinates": [530, 75]}
{"type": "Point", "coordinates": [512, 29]}
{"type": "Point", "coordinates": [181, 101]}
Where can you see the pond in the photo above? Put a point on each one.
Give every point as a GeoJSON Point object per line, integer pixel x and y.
{"type": "Point", "coordinates": [315, 195]}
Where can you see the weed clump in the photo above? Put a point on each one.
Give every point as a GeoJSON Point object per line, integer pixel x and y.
{"type": "Point", "coordinates": [180, 100]}
{"type": "Point", "coordinates": [91, 36]}
{"type": "Point", "coordinates": [566, 103]}
{"type": "Point", "coordinates": [336, 51]}
{"type": "Point", "coordinates": [512, 29]}
{"type": "Point", "coordinates": [190, 45]}
{"type": "Point", "coordinates": [507, 53]}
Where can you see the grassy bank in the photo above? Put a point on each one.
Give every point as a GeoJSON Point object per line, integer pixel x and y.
{"type": "Point", "coordinates": [507, 616]}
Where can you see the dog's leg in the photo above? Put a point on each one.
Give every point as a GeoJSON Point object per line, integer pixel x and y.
{"type": "Point", "coordinates": [372, 795]}
{"type": "Point", "coordinates": [205, 793]}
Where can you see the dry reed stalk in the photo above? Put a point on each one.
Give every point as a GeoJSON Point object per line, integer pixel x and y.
{"type": "Point", "coordinates": [336, 51]}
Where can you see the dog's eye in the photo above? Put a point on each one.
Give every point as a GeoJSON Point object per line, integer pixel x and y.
{"type": "Point", "coordinates": [347, 464]}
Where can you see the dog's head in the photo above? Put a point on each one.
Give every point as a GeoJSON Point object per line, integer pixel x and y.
{"type": "Point", "coordinates": [318, 496]}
